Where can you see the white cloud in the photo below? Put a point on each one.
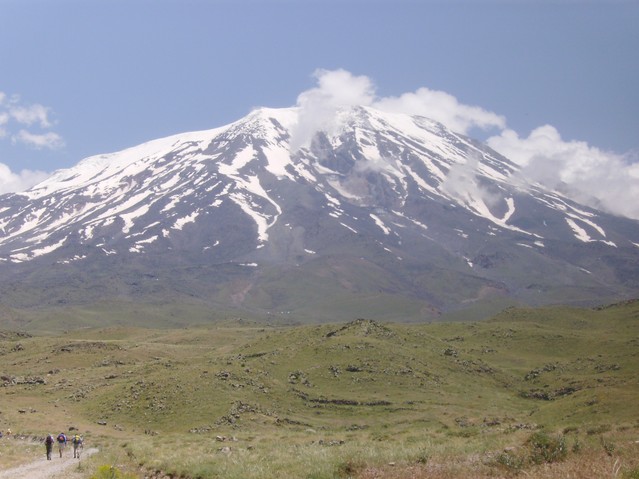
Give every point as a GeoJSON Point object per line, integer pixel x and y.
{"type": "Point", "coordinates": [4, 119]}
{"type": "Point", "coordinates": [30, 115]}
{"type": "Point", "coordinates": [462, 183]}
{"type": "Point", "coordinates": [444, 108]}
{"type": "Point", "coordinates": [11, 182]}
{"type": "Point", "coordinates": [600, 179]}
{"type": "Point", "coordinates": [591, 176]}
{"type": "Point", "coordinates": [318, 106]}
{"type": "Point", "coordinates": [47, 140]}
{"type": "Point", "coordinates": [27, 124]}
{"type": "Point", "coordinates": [13, 113]}
{"type": "Point", "coordinates": [340, 88]}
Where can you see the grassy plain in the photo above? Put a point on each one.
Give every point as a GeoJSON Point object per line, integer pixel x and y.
{"type": "Point", "coordinates": [241, 399]}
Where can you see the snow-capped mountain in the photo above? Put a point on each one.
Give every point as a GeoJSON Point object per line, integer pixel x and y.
{"type": "Point", "coordinates": [379, 215]}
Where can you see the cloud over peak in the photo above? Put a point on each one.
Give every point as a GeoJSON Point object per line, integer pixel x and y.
{"type": "Point", "coordinates": [597, 178]}
{"type": "Point", "coordinates": [318, 106]}
{"type": "Point", "coordinates": [339, 88]}
{"type": "Point", "coordinates": [600, 179]}
{"type": "Point", "coordinates": [444, 108]}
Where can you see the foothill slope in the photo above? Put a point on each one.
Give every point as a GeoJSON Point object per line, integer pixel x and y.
{"type": "Point", "coordinates": [383, 392]}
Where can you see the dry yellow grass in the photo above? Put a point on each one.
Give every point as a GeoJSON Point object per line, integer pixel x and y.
{"type": "Point", "coordinates": [14, 452]}
{"type": "Point", "coordinates": [587, 464]}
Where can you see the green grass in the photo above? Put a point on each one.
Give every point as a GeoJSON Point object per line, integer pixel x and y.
{"type": "Point", "coordinates": [333, 400]}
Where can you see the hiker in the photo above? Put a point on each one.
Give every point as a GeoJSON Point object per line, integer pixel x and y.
{"type": "Point", "coordinates": [48, 444]}
{"type": "Point", "coordinates": [62, 442]}
{"type": "Point", "coordinates": [77, 445]}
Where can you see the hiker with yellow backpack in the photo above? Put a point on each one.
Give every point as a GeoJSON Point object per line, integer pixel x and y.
{"type": "Point", "coordinates": [77, 445]}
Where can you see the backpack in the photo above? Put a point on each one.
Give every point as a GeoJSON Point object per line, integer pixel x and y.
{"type": "Point", "coordinates": [49, 439]}
{"type": "Point", "coordinates": [77, 439]}
{"type": "Point", "coordinates": [62, 438]}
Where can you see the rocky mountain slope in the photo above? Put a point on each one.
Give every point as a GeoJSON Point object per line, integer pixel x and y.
{"type": "Point", "coordinates": [380, 215]}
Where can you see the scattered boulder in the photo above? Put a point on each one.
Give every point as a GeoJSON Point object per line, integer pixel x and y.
{"type": "Point", "coordinates": [332, 442]}
{"type": "Point", "coordinates": [364, 327]}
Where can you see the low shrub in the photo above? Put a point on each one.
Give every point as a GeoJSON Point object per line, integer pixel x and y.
{"type": "Point", "coordinates": [608, 446]}
{"type": "Point", "coordinates": [632, 474]}
{"type": "Point", "coordinates": [510, 461]}
{"type": "Point", "coordinates": [576, 447]}
{"type": "Point", "coordinates": [422, 457]}
{"type": "Point", "coordinates": [111, 472]}
{"type": "Point", "coordinates": [600, 429]}
{"type": "Point", "coordinates": [546, 448]}
{"type": "Point", "coordinates": [349, 468]}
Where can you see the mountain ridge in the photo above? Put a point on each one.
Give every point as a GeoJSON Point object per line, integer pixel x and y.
{"type": "Point", "coordinates": [371, 205]}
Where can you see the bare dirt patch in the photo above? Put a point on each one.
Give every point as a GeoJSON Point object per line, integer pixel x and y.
{"type": "Point", "coordinates": [44, 469]}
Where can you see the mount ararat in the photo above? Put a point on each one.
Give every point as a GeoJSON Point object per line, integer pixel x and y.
{"type": "Point", "coordinates": [377, 215]}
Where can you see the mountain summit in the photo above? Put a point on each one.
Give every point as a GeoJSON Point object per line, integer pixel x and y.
{"type": "Point", "coordinates": [372, 214]}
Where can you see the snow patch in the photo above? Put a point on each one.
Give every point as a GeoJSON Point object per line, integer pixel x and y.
{"type": "Point", "coordinates": [278, 159]}
{"type": "Point", "coordinates": [348, 227]}
{"type": "Point", "coordinates": [150, 240]}
{"type": "Point", "coordinates": [381, 224]}
{"type": "Point", "coordinates": [579, 232]}
{"type": "Point", "coordinates": [48, 249]}
{"type": "Point", "coordinates": [72, 259]}
{"type": "Point", "coordinates": [590, 223]}
{"type": "Point", "coordinates": [180, 222]}
{"type": "Point", "coordinates": [462, 234]}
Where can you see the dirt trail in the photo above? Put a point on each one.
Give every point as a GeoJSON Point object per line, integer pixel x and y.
{"type": "Point", "coordinates": [43, 469]}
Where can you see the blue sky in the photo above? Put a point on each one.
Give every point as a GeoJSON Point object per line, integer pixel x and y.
{"type": "Point", "coordinates": [553, 80]}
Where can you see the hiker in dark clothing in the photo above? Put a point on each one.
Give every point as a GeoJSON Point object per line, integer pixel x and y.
{"type": "Point", "coordinates": [48, 444]}
{"type": "Point", "coordinates": [62, 442]}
